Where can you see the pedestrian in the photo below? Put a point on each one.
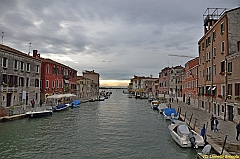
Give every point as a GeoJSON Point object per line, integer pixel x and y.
{"type": "Point", "coordinates": [40, 103]}
{"type": "Point", "coordinates": [177, 100]}
{"type": "Point", "coordinates": [238, 130]}
{"type": "Point", "coordinates": [169, 100]}
{"type": "Point", "coordinates": [33, 103]}
{"type": "Point", "coordinates": [203, 131]}
{"type": "Point", "coordinates": [215, 123]}
{"type": "Point", "coordinates": [211, 122]}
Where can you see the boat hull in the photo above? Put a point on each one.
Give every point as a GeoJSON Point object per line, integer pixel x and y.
{"type": "Point", "coordinates": [37, 114]}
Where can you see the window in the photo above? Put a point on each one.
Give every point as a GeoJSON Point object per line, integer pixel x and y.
{"type": "Point", "coordinates": [214, 52]}
{"type": "Point", "coordinates": [222, 66]}
{"type": "Point", "coordinates": [222, 28]}
{"type": "Point", "coordinates": [53, 84]}
{"type": "Point", "coordinates": [237, 89]}
{"type": "Point", "coordinates": [238, 111]}
{"type": "Point", "coordinates": [27, 82]}
{"type": "Point", "coordinates": [214, 69]}
{"type": "Point", "coordinates": [214, 35]}
{"type": "Point", "coordinates": [47, 69]}
{"type": "Point", "coordinates": [20, 97]}
{"type": "Point", "coordinates": [37, 69]}
{"type": "Point", "coordinates": [22, 66]}
{"type": "Point", "coordinates": [4, 62]}
{"type": "Point", "coordinates": [223, 48]}
{"type": "Point", "coordinates": [238, 46]}
{"type": "Point", "coordinates": [202, 46]}
{"type": "Point", "coordinates": [222, 108]}
{"type": "Point", "coordinates": [28, 67]}
{"type": "Point", "coordinates": [54, 70]}
{"type": "Point", "coordinates": [21, 81]}
{"type": "Point", "coordinates": [15, 65]}
{"type": "Point", "coordinates": [47, 84]}
{"type": "Point", "coordinates": [229, 68]}
{"type": "Point", "coordinates": [229, 89]}
{"type": "Point", "coordinates": [57, 84]}
{"type": "Point", "coordinates": [36, 82]}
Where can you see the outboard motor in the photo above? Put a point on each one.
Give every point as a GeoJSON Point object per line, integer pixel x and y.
{"type": "Point", "coordinates": [192, 140]}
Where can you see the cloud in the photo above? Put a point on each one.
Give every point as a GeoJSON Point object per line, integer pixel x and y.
{"type": "Point", "coordinates": [117, 39]}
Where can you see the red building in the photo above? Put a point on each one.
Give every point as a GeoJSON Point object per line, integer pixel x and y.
{"type": "Point", "coordinates": [163, 87]}
{"type": "Point", "coordinates": [56, 78]}
{"type": "Point", "coordinates": [190, 82]}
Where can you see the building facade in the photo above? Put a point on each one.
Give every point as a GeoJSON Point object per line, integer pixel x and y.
{"type": "Point", "coordinates": [20, 78]}
{"type": "Point", "coordinates": [216, 63]}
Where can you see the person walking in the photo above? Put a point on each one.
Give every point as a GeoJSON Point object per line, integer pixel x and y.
{"type": "Point", "coordinates": [33, 103]}
{"type": "Point", "coordinates": [211, 122]}
{"type": "Point", "coordinates": [215, 123]}
{"type": "Point", "coordinates": [40, 103]}
{"type": "Point", "coordinates": [238, 130]}
{"type": "Point", "coordinates": [203, 132]}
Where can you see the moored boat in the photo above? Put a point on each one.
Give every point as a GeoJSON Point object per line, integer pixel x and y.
{"type": "Point", "coordinates": [76, 103]}
{"type": "Point", "coordinates": [170, 113]}
{"type": "Point", "coordinates": [155, 104]}
{"type": "Point", "coordinates": [162, 107]}
{"type": "Point", "coordinates": [60, 107]}
{"type": "Point", "coordinates": [37, 114]}
{"type": "Point", "coordinates": [183, 135]}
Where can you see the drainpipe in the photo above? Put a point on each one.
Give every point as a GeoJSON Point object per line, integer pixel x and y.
{"type": "Point", "coordinates": [226, 84]}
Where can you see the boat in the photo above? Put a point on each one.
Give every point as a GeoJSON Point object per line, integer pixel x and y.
{"type": "Point", "coordinates": [101, 98]}
{"type": "Point", "coordinates": [40, 113]}
{"type": "Point", "coordinates": [206, 153]}
{"type": "Point", "coordinates": [162, 107]}
{"type": "Point", "coordinates": [155, 104]}
{"type": "Point", "coordinates": [60, 107]}
{"type": "Point", "coordinates": [75, 103]}
{"type": "Point", "coordinates": [184, 135]}
{"type": "Point", "coordinates": [151, 99]}
{"type": "Point", "coordinates": [170, 113]}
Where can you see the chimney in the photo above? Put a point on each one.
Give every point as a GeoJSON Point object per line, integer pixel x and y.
{"type": "Point", "coordinates": [35, 53]}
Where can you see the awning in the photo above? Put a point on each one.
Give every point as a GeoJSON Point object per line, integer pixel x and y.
{"type": "Point", "coordinates": [66, 81]}
{"type": "Point", "coordinates": [214, 88]}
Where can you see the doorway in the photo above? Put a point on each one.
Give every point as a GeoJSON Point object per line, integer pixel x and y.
{"type": "Point", "coordinates": [9, 97]}
{"type": "Point", "coordinates": [230, 113]}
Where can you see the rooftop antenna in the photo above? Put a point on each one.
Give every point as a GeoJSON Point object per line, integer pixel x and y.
{"type": "Point", "coordinates": [29, 48]}
{"type": "Point", "coordinates": [2, 37]}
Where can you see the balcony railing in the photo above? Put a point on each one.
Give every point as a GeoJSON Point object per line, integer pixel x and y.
{"type": "Point", "coordinates": [9, 89]}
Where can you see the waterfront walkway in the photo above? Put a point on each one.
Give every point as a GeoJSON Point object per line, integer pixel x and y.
{"type": "Point", "coordinates": [216, 139]}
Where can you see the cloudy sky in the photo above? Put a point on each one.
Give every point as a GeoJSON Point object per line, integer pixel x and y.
{"type": "Point", "coordinates": [116, 38]}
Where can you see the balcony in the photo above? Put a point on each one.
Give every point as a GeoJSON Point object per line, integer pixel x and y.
{"type": "Point", "coordinates": [9, 89]}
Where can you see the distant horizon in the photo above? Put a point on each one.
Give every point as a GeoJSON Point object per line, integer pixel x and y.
{"type": "Point", "coordinates": [114, 83]}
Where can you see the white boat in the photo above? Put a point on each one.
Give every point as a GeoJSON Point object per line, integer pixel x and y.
{"type": "Point", "coordinates": [184, 135]}
{"type": "Point", "coordinates": [155, 104]}
{"type": "Point", "coordinates": [206, 153]}
{"type": "Point", "coordinates": [170, 113]}
{"type": "Point", "coordinates": [162, 107]}
{"type": "Point", "coordinates": [40, 113]}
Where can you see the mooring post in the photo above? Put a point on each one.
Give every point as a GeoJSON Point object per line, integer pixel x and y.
{"type": "Point", "coordinates": [224, 144]}
{"type": "Point", "coordinates": [194, 123]}
{"type": "Point", "coordinates": [185, 115]}
{"type": "Point", "coordinates": [190, 119]}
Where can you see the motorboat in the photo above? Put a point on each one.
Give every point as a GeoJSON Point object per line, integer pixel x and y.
{"type": "Point", "coordinates": [184, 135]}
{"type": "Point", "coordinates": [60, 107]}
{"type": "Point", "coordinates": [75, 103]}
{"type": "Point", "coordinates": [170, 113]}
{"type": "Point", "coordinates": [162, 107]}
{"type": "Point", "coordinates": [40, 113]}
{"type": "Point", "coordinates": [155, 104]}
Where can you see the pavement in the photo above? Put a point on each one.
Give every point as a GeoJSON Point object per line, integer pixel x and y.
{"type": "Point", "coordinates": [216, 139]}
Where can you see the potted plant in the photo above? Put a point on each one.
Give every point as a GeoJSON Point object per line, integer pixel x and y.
{"type": "Point", "coordinates": [5, 84]}
{"type": "Point", "coordinates": [16, 85]}
{"type": "Point", "coordinates": [237, 98]}
{"type": "Point", "coordinates": [222, 73]}
{"type": "Point", "coordinates": [228, 73]}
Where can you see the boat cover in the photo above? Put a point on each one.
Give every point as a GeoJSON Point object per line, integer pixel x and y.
{"type": "Point", "coordinates": [169, 111]}
{"type": "Point", "coordinates": [76, 102]}
{"type": "Point", "coordinates": [162, 106]}
{"type": "Point", "coordinates": [183, 130]}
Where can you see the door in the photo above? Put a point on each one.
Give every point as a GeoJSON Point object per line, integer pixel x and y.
{"type": "Point", "coordinates": [230, 113]}
{"type": "Point", "coordinates": [9, 96]}
{"type": "Point", "coordinates": [218, 112]}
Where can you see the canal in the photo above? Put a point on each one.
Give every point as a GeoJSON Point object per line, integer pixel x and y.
{"type": "Point", "coordinates": [118, 127]}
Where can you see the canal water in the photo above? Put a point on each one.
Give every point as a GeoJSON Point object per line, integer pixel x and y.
{"type": "Point", "coordinates": [118, 127]}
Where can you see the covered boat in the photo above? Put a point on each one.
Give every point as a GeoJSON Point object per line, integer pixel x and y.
{"type": "Point", "coordinates": [162, 107]}
{"type": "Point", "coordinates": [60, 107]}
{"type": "Point", "coordinates": [170, 113]}
{"type": "Point", "coordinates": [155, 104]}
{"type": "Point", "coordinates": [185, 136]}
{"type": "Point", "coordinates": [76, 103]}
